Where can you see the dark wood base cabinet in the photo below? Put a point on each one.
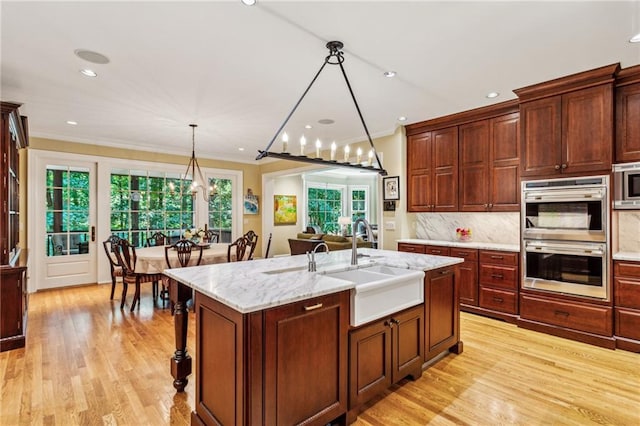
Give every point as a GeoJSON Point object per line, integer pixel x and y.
{"type": "Point", "coordinates": [281, 366]}
{"type": "Point", "coordinates": [626, 284]}
{"type": "Point", "coordinates": [442, 312]}
{"type": "Point", "coordinates": [584, 322]}
{"type": "Point", "coordinates": [13, 305]}
{"type": "Point", "coordinates": [382, 353]}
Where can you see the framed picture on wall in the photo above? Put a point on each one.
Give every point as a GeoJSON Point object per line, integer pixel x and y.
{"type": "Point", "coordinates": [285, 210]}
{"type": "Point", "coordinates": [391, 188]}
{"type": "Point", "coordinates": [251, 203]}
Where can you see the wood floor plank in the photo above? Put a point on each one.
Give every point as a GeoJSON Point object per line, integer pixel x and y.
{"type": "Point", "coordinates": [87, 362]}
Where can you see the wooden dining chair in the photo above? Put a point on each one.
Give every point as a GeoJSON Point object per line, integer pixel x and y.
{"type": "Point", "coordinates": [252, 243]}
{"type": "Point", "coordinates": [116, 270]}
{"type": "Point", "coordinates": [239, 246]}
{"type": "Point", "coordinates": [184, 250]}
{"type": "Point", "coordinates": [157, 239]}
{"type": "Point", "coordinates": [211, 236]}
{"type": "Point", "coordinates": [126, 254]}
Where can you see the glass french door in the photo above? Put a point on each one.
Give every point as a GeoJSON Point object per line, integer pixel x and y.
{"type": "Point", "coordinates": [65, 240]}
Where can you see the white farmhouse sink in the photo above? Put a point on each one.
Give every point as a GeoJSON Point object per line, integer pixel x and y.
{"type": "Point", "coordinates": [381, 291]}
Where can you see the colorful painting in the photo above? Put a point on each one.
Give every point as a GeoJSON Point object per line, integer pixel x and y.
{"type": "Point", "coordinates": [285, 211]}
{"type": "Point", "coordinates": [250, 203]}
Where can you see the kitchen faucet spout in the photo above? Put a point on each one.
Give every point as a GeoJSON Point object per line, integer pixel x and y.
{"type": "Point", "coordinates": [354, 244]}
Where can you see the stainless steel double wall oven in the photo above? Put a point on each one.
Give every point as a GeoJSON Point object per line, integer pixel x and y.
{"type": "Point", "coordinates": [565, 236]}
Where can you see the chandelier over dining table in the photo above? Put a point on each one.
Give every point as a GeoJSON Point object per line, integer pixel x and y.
{"type": "Point", "coordinates": [372, 162]}
{"type": "Point", "coordinates": [198, 181]}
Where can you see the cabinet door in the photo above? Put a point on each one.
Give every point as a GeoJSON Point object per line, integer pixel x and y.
{"type": "Point", "coordinates": [587, 130]}
{"type": "Point", "coordinates": [504, 163]}
{"type": "Point", "coordinates": [305, 369]}
{"type": "Point", "coordinates": [445, 169]}
{"type": "Point", "coordinates": [419, 171]}
{"type": "Point", "coordinates": [441, 311]}
{"type": "Point", "coordinates": [468, 275]}
{"type": "Point", "coordinates": [541, 123]}
{"type": "Point", "coordinates": [408, 348]}
{"type": "Point", "coordinates": [628, 123]}
{"type": "Point", "coordinates": [11, 303]}
{"type": "Point", "coordinates": [473, 146]}
{"type": "Point", "coordinates": [369, 362]}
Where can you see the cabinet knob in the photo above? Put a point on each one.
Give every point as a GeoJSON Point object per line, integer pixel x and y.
{"type": "Point", "coordinates": [564, 166]}
{"type": "Point", "coordinates": [557, 167]}
{"type": "Point", "coordinates": [490, 205]}
{"type": "Point", "coordinates": [485, 205]}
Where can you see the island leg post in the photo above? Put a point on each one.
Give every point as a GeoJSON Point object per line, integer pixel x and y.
{"type": "Point", "coordinates": [181, 360]}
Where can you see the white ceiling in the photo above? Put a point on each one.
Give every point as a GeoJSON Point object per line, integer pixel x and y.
{"type": "Point", "coordinates": [237, 71]}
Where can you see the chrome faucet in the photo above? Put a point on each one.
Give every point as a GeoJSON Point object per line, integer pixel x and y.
{"type": "Point", "coordinates": [354, 246]}
{"type": "Point", "coordinates": [312, 256]}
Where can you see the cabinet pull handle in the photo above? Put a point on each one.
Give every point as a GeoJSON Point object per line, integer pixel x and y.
{"type": "Point", "coordinates": [497, 257]}
{"type": "Point", "coordinates": [444, 272]}
{"type": "Point", "coordinates": [497, 276]}
{"type": "Point", "coordinates": [463, 254]}
{"type": "Point", "coordinates": [394, 321]}
{"type": "Point", "coordinates": [564, 166]}
{"type": "Point", "coordinates": [312, 307]}
{"type": "Point", "coordinates": [490, 205]}
{"type": "Point", "coordinates": [557, 167]}
{"type": "Point", "coordinates": [498, 299]}
{"type": "Point", "coordinates": [563, 313]}
{"type": "Point", "coordinates": [436, 251]}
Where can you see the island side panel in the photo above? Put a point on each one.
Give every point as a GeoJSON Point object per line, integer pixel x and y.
{"type": "Point", "coordinates": [225, 364]}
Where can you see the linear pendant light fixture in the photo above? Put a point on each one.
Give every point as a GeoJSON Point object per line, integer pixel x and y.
{"type": "Point", "coordinates": [335, 58]}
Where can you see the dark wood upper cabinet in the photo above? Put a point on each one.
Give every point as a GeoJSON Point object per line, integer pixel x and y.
{"type": "Point", "coordinates": [432, 171]}
{"type": "Point", "coordinates": [473, 146]}
{"type": "Point", "coordinates": [628, 115]}
{"type": "Point", "coordinates": [567, 124]}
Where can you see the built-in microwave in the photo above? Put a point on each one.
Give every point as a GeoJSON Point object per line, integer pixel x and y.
{"type": "Point", "coordinates": [626, 190]}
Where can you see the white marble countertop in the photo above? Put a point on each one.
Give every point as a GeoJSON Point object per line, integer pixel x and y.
{"type": "Point", "coordinates": [627, 255]}
{"type": "Point", "coordinates": [252, 285]}
{"type": "Point", "coordinates": [464, 244]}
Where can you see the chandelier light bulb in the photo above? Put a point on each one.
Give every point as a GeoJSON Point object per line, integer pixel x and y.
{"type": "Point", "coordinates": [318, 146]}
{"type": "Point", "coordinates": [346, 153]}
{"type": "Point", "coordinates": [303, 142]}
{"type": "Point", "coordinates": [370, 161]}
{"type": "Point", "coordinates": [285, 141]}
{"type": "Point", "coordinates": [358, 155]}
{"type": "Point", "coordinates": [333, 151]}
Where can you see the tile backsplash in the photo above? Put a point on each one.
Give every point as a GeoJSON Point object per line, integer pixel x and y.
{"type": "Point", "coordinates": [628, 231]}
{"type": "Point", "coordinates": [500, 228]}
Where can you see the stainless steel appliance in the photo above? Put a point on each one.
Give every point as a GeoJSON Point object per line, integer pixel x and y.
{"type": "Point", "coordinates": [565, 236]}
{"type": "Point", "coordinates": [626, 189]}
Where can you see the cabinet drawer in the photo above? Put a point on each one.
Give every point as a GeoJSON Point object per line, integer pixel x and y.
{"type": "Point", "coordinates": [466, 254]}
{"type": "Point", "coordinates": [437, 250]}
{"type": "Point", "coordinates": [499, 276]}
{"type": "Point", "coordinates": [627, 292]}
{"type": "Point", "coordinates": [588, 318]}
{"type": "Point", "coordinates": [499, 257]}
{"type": "Point", "coordinates": [628, 323]}
{"type": "Point", "coordinates": [627, 269]}
{"type": "Point", "coordinates": [411, 248]}
{"type": "Point", "coordinates": [499, 300]}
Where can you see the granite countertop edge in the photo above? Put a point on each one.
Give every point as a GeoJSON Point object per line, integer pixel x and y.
{"type": "Point", "coordinates": [255, 285]}
{"type": "Point", "coordinates": [464, 244]}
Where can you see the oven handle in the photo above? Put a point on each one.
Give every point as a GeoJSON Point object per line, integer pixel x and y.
{"type": "Point", "coordinates": [553, 249]}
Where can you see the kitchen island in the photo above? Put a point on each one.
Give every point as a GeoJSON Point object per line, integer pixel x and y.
{"type": "Point", "coordinates": [276, 344]}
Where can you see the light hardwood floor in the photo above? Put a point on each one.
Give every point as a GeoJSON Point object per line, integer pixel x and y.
{"type": "Point", "coordinates": [89, 363]}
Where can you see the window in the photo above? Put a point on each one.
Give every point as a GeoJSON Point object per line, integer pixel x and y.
{"type": "Point", "coordinates": [324, 207]}
{"type": "Point", "coordinates": [67, 213]}
{"type": "Point", "coordinates": [142, 203]}
{"type": "Point", "coordinates": [359, 203]}
{"type": "Point", "coordinates": [221, 208]}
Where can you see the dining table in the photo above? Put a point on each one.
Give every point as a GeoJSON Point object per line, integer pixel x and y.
{"type": "Point", "coordinates": [151, 260]}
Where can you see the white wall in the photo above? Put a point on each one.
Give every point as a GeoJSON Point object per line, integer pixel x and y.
{"type": "Point", "coordinates": [284, 185]}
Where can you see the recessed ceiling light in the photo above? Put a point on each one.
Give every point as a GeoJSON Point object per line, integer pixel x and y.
{"type": "Point", "coordinates": [635, 39]}
{"type": "Point", "coordinates": [89, 73]}
{"type": "Point", "coordinates": [389, 74]}
{"type": "Point", "coordinates": [248, 2]}
{"type": "Point", "coordinates": [402, 118]}
{"type": "Point", "coordinates": [326, 121]}
{"type": "Point", "coordinates": [308, 126]}
{"type": "Point", "coordinates": [73, 123]}
{"type": "Point", "coordinates": [492, 95]}
{"type": "Point", "coordinates": [240, 149]}
{"type": "Point", "coordinates": [91, 56]}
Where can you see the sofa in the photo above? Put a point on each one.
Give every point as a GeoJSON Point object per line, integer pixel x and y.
{"type": "Point", "coordinates": [307, 242]}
